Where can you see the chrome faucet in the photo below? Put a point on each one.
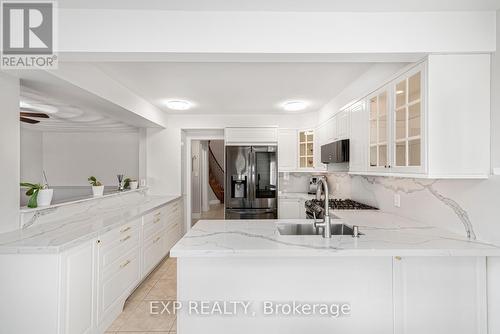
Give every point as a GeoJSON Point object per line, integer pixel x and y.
{"type": "Point", "coordinates": [325, 224]}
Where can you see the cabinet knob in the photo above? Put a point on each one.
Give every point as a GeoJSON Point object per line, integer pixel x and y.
{"type": "Point", "coordinates": [98, 241]}
{"type": "Point", "coordinates": [399, 258]}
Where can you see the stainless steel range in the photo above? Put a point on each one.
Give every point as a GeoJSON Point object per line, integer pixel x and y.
{"type": "Point", "coordinates": [316, 207]}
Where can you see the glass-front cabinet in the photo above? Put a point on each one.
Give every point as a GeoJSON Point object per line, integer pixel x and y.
{"type": "Point", "coordinates": [306, 149]}
{"type": "Point", "coordinates": [379, 135]}
{"type": "Point", "coordinates": [396, 123]}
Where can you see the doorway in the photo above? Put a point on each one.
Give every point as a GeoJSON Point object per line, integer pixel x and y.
{"type": "Point", "coordinates": [203, 175]}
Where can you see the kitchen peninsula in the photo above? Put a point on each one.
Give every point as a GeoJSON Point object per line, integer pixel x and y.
{"type": "Point", "coordinates": [386, 276]}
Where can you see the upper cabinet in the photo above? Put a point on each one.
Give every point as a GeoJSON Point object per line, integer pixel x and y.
{"type": "Point", "coordinates": [306, 149]}
{"type": "Point", "coordinates": [287, 149]}
{"type": "Point", "coordinates": [251, 136]}
{"type": "Point", "coordinates": [427, 122]}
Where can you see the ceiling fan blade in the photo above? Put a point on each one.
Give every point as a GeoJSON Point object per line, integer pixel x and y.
{"type": "Point", "coordinates": [34, 114]}
{"type": "Point", "coordinates": [28, 120]}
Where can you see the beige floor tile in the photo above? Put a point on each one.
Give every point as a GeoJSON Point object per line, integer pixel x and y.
{"type": "Point", "coordinates": [142, 320]}
{"type": "Point", "coordinates": [129, 307]}
{"type": "Point", "coordinates": [171, 273]}
{"type": "Point", "coordinates": [164, 289]}
{"type": "Point", "coordinates": [173, 329]}
{"type": "Point", "coordinates": [140, 292]}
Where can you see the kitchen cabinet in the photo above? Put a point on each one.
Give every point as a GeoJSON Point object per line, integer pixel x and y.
{"type": "Point", "coordinates": [83, 288]}
{"type": "Point", "coordinates": [439, 295]}
{"type": "Point", "coordinates": [413, 121]}
{"type": "Point", "coordinates": [291, 208]}
{"type": "Point", "coordinates": [287, 149]}
{"type": "Point", "coordinates": [251, 136]}
{"type": "Point", "coordinates": [358, 152]}
{"type": "Point", "coordinates": [307, 148]}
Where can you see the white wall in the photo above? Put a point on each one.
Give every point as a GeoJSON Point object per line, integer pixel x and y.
{"type": "Point", "coordinates": [31, 156]}
{"type": "Point", "coordinates": [495, 103]}
{"type": "Point", "coordinates": [273, 32]}
{"type": "Point", "coordinates": [70, 158]}
{"type": "Point", "coordinates": [9, 152]}
{"type": "Point", "coordinates": [164, 146]}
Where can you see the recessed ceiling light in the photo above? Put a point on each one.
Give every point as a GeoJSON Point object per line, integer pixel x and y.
{"type": "Point", "coordinates": [178, 104]}
{"type": "Point", "coordinates": [294, 105]}
{"type": "Point", "coordinates": [37, 107]}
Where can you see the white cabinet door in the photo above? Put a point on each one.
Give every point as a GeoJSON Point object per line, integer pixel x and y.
{"type": "Point", "coordinates": [289, 208]}
{"type": "Point", "coordinates": [342, 125]}
{"type": "Point", "coordinates": [78, 287]}
{"type": "Point", "coordinates": [287, 149]}
{"type": "Point", "coordinates": [358, 143]}
{"type": "Point", "coordinates": [249, 136]}
{"type": "Point", "coordinates": [435, 295]}
{"type": "Point", "coordinates": [330, 130]}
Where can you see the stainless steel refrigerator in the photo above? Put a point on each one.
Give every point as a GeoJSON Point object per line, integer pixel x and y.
{"type": "Point", "coordinates": [251, 182]}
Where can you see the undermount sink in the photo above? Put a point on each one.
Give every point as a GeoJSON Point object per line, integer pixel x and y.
{"type": "Point", "coordinates": [309, 229]}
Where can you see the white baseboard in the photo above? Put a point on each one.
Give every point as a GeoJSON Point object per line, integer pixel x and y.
{"type": "Point", "coordinates": [213, 202]}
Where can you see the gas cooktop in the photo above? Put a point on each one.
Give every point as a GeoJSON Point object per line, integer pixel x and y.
{"type": "Point", "coordinates": [316, 207]}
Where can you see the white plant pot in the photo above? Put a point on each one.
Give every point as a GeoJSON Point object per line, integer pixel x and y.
{"type": "Point", "coordinates": [97, 190]}
{"type": "Point", "coordinates": [133, 185]}
{"type": "Point", "coordinates": [44, 197]}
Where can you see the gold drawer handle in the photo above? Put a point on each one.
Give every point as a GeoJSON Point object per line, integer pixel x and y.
{"type": "Point", "coordinates": [125, 229]}
{"type": "Point", "coordinates": [124, 239]}
{"type": "Point", "coordinates": [157, 214]}
{"type": "Point", "coordinates": [156, 239]}
{"type": "Point", "coordinates": [399, 258]}
{"type": "Point", "coordinates": [124, 264]}
{"type": "Point", "coordinates": [157, 220]}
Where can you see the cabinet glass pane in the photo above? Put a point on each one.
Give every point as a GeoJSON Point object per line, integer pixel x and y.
{"type": "Point", "coordinates": [302, 136]}
{"type": "Point", "coordinates": [373, 131]}
{"type": "Point", "coordinates": [401, 123]}
{"type": "Point", "coordinates": [401, 153]}
{"type": "Point", "coordinates": [373, 156]}
{"type": "Point", "coordinates": [382, 114]}
{"type": "Point", "coordinates": [414, 120]}
{"type": "Point", "coordinates": [414, 87]}
{"type": "Point", "coordinates": [401, 94]}
{"type": "Point", "coordinates": [382, 155]}
{"type": "Point", "coordinates": [302, 149]}
{"type": "Point", "coordinates": [309, 148]}
{"type": "Point", "coordinates": [302, 162]}
{"type": "Point", "coordinates": [414, 152]}
{"type": "Point", "coordinates": [373, 108]}
{"type": "Point", "coordinates": [310, 162]}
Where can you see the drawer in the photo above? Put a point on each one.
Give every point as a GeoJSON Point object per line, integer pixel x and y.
{"type": "Point", "coordinates": [153, 226]}
{"type": "Point", "coordinates": [119, 279]}
{"type": "Point", "coordinates": [173, 209]}
{"type": "Point", "coordinates": [118, 233]}
{"type": "Point", "coordinates": [111, 252]}
{"type": "Point", "coordinates": [173, 235]}
{"type": "Point", "coordinates": [155, 215]}
{"type": "Point", "coordinates": [154, 251]}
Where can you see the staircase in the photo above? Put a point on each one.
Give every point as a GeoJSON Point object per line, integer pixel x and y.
{"type": "Point", "coordinates": [215, 175]}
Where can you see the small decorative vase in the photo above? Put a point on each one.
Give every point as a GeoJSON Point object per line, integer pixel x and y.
{"type": "Point", "coordinates": [44, 197]}
{"type": "Point", "coordinates": [133, 185]}
{"type": "Point", "coordinates": [97, 191]}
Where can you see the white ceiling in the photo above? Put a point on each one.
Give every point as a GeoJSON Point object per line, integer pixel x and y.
{"type": "Point", "coordinates": [78, 110]}
{"type": "Point", "coordinates": [288, 5]}
{"type": "Point", "coordinates": [235, 88]}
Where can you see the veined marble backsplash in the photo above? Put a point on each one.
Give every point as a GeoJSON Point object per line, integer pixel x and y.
{"type": "Point", "coordinates": [461, 206]}
{"type": "Point", "coordinates": [339, 184]}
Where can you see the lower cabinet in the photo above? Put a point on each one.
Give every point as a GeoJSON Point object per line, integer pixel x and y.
{"type": "Point", "coordinates": [435, 295]}
{"type": "Point", "coordinates": [291, 208]}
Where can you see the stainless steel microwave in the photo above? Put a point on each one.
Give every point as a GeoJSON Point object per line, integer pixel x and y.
{"type": "Point", "coordinates": [335, 152]}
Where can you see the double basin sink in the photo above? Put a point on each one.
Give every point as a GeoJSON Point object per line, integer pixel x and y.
{"type": "Point", "coordinates": [309, 229]}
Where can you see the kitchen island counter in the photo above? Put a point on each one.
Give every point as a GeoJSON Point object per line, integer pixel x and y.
{"type": "Point", "coordinates": [383, 234]}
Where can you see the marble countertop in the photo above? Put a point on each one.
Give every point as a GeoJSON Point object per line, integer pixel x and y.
{"type": "Point", "coordinates": [63, 233]}
{"type": "Point", "coordinates": [384, 234]}
{"type": "Point", "coordinates": [291, 195]}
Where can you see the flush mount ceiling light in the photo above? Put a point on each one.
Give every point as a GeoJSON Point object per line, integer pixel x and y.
{"type": "Point", "coordinates": [178, 104]}
{"type": "Point", "coordinates": [294, 105]}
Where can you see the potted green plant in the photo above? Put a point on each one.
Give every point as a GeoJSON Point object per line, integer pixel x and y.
{"type": "Point", "coordinates": [130, 183]}
{"type": "Point", "coordinates": [97, 187]}
{"type": "Point", "coordinates": [39, 195]}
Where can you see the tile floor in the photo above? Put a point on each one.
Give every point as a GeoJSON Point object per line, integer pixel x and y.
{"type": "Point", "coordinates": [161, 285]}
{"type": "Point", "coordinates": [216, 212]}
